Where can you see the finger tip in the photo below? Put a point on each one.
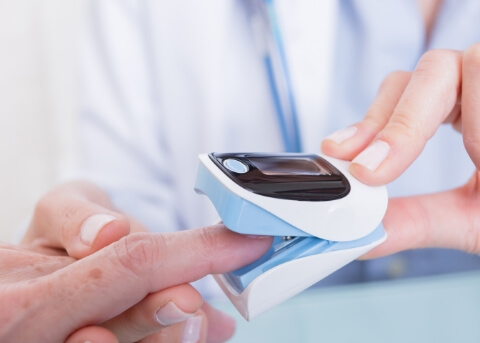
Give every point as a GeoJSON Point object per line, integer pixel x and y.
{"type": "Point", "coordinates": [259, 242]}
{"type": "Point", "coordinates": [361, 173]}
{"type": "Point", "coordinates": [256, 239]}
{"type": "Point", "coordinates": [335, 150]}
{"type": "Point", "coordinates": [221, 326]}
{"type": "Point", "coordinates": [229, 325]}
{"type": "Point", "coordinates": [92, 334]}
{"type": "Point", "coordinates": [378, 177]}
{"type": "Point", "coordinates": [328, 147]}
{"type": "Point", "coordinates": [374, 253]}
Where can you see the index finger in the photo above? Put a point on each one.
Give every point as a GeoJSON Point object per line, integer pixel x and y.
{"type": "Point", "coordinates": [426, 102]}
{"type": "Point", "coordinates": [112, 280]}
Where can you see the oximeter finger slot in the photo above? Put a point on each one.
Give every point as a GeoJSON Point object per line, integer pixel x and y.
{"type": "Point", "coordinates": [280, 252]}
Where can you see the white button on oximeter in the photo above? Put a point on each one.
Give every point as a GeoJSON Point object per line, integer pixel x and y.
{"type": "Point", "coordinates": [235, 166]}
{"type": "Point", "coordinates": [320, 216]}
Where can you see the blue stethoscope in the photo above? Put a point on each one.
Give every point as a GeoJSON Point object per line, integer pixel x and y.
{"type": "Point", "coordinates": [271, 45]}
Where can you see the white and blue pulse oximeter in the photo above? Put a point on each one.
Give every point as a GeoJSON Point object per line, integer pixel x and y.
{"type": "Point", "coordinates": [321, 218]}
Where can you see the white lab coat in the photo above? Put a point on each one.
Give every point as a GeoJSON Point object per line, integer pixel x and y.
{"type": "Point", "coordinates": [167, 80]}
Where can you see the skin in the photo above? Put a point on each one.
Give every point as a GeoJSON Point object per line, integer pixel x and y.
{"type": "Point", "coordinates": [114, 287]}
{"type": "Point", "coordinates": [408, 110]}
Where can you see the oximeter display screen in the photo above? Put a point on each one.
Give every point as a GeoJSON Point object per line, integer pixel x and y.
{"type": "Point", "coordinates": [290, 176]}
{"type": "Point", "coordinates": [290, 166]}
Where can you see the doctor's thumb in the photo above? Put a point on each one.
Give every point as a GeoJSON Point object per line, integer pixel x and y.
{"type": "Point", "coordinates": [440, 220]}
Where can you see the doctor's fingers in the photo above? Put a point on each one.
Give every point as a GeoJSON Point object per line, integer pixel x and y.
{"type": "Point", "coordinates": [76, 217]}
{"type": "Point", "coordinates": [109, 282]}
{"type": "Point", "coordinates": [156, 312]}
{"type": "Point", "coordinates": [471, 102]}
{"type": "Point", "coordinates": [403, 127]}
{"type": "Point", "coordinates": [347, 143]}
{"type": "Point", "coordinates": [446, 220]}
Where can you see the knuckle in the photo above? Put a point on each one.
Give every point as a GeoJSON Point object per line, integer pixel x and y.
{"type": "Point", "coordinates": [472, 145]}
{"type": "Point", "coordinates": [402, 125]}
{"type": "Point", "coordinates": [374, 122]}
{"type": "Point", "coordinates": [436, 63]}
{"type": "Point", "coordinates": [432, 56]}
{"type": "Point", "coordinates": [18, 299]}
{"type": "Point", "coordinates": [212, 246]}
{"type": "Point", "coordinates": [53, 209]}
{"type": "Point", "coordinates": [139, 253]}
{"type": "Point", "coordinates": [67, 219]}
{"type": "Point", "coordinates": [439, 57]}
{"type": "Point", "coordinates": [390, 89]}
{"type": "Point", "coordinates": [42, 208]}
{"type": "Point", "coordinates": [394, 78]}
{"type": "Point", "coordinates": [471, 56]}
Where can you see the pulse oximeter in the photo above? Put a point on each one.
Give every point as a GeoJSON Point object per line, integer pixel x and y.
{"type": "Point", "coordinates": [321, 218]}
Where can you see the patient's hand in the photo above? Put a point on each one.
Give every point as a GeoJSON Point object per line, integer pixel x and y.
{"type": "Point", "coordinates": [133, 289]}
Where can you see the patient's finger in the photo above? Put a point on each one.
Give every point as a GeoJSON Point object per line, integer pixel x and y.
{"type": "Point", "coordinates": [19, 264]}
{"type": "Point", "coordinates": [109, 282]}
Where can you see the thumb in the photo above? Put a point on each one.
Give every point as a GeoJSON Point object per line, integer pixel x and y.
{"type": "Point", "coordinates": [443, 220]}
{"type": "Point", "coordinates": [77, 217]}
{"type": "Point", "coordinates": [114, 279]}
{"type": "Point", "coordinates": [92, 334]}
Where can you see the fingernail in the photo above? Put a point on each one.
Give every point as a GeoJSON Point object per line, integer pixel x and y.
{"type": "Point", "coordinates": [192, 330]}
{"type": "Point", "coordinates": [170, 314]}
{"type": "Point", "coordinates": [373, 155]}
{"type": "Point", "coordinates": [342, 135]}
{"type": "Point", "coordinates": [92, 226]}
{"type": "Point", "coordinates": [257, 236]}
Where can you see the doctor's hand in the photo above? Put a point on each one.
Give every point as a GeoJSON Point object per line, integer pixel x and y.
{"type": "Point", "coordinates": [409, 108]}
{"type": "Point", "coordinates": [134, 289]}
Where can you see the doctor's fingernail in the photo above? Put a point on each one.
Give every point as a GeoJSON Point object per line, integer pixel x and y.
{"type": "Point", "coordinates": [192, 330]}
{"type": "Point", "coordinates": [170, 314]}
{"type": "Point", "coordinates": [342, 135]}
{"type": "Point", "coordinates": [373, 155]}
{"type": "Point", "coordinates": [92, 226]}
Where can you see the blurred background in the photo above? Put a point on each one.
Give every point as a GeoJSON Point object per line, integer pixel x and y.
{"type": "Point", "coordinates": [38, 102]}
